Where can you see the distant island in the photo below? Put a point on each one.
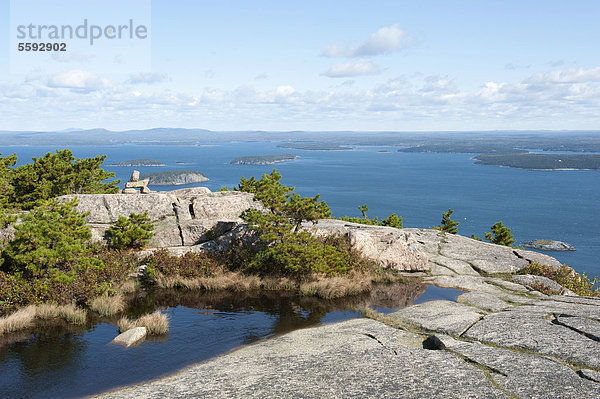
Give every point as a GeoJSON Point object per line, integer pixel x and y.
{"type": "Point", "coordinates": [174, 177]}
{"type": "Point", "coordinates": [315, 146]}
{"type": "Point", "coordinates": [465, 148]}
{"type": "Point", "coordinates": [263, 159]}
{"type": "Point", "coordinates": [541, 161]}
{"type": "Point", "coordinates": [139, 162]}
{"type": "Point", "coordinates": [549, 245]}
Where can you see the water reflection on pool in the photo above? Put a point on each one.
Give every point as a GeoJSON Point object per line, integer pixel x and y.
{"type": "Point", "coordinates": [74, 361]}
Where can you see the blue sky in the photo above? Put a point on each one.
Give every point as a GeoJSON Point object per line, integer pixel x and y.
{"type": "Point", "coordinates": [326, 65]}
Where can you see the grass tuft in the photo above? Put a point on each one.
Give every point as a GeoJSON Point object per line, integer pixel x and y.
{"type": "Point", "coordinates": [125, 324]}
{"type": "Point", "coordinates": [108, 306]}
{"type": "Point", "coordinates": [336, 287]}
{"type": "Point", "coordinates": [72, 314]}
{"type": "Point", "coordinates": [22, 318]}
{"type": "Point", "coordinates": [156, 323]}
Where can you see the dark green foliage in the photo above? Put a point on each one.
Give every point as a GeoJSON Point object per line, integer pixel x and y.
{"type": "Point", "coordinates": [474, 237]}
{"type": "Point", "coordinates": [301, 254]}
{"type": "Point", "coordinates": [50, 241]}
{"type": "Point", "coordinates": [363, 210]}
{"type": "Point", "coordinates": [501, 235]}
{"type": "Point", "coordinates": [448, 225]}
{"type": "Point", "coordinates": [86, 284]}
{"type": "Point", "coordinates": [130, 232]}
{"type": "Point", "coordinates": [393, 221]}
{"type": "Point", "coordinates": [58, 174]}
{"type": "Point", "coordinates": [287, 210]}
{"type": "Point", "coordinates": [282, 247]}
{"type": "Point", "coordinates": [6, 188]}
{"type": "Point", "coordinates": [565, 276]}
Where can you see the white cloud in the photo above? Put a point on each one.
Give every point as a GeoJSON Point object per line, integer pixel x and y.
{"type": "Point", "coordinates": [570, 75]}
{"type": "Point", "coordinates": [386, 40]}
{"type": "Point", "coordinates": [565, 99]}
{"type": "Point", "coordinates": [147, 77]}
{"type": "Point", "coordinates": [78, 80]}
{"type": "Point", "coordinates": [349, 69]}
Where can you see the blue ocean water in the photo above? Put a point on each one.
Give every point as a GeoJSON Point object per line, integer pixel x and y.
{"type": "Point", "coordinates": [558, 205]}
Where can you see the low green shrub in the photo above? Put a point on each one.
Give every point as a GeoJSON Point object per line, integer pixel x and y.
{"type": "Point", "coordinates": [130, 232]}
{"type": "Point", "coordinates": [565, 276]}
{"type": "Point", "coordinates": [391, 221]}
{"type": "Point", "coordinates": [301, 254]}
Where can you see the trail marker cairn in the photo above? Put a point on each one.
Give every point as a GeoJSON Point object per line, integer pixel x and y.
{"type": "Point", "coordinates": [135, 182]}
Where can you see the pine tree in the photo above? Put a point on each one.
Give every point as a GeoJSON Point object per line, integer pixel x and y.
{"type": "Point", "coordinates": [58, 174]}
{"type": "Point", "coordinates": [502, 235]}
{"type": "Point", "coordinates": [393, 221]}
{"type": "Point", "coordinates": [131, 232]}
{"type": "Point", "coordinates": [363, 210]}
{"type": "Point", "coordinates": [51, 241]}
{"type": "Point", "coordinates": [448, 225]}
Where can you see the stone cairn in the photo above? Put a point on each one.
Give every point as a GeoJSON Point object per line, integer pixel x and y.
{"type": "Point", "coordinates": [135, 182]}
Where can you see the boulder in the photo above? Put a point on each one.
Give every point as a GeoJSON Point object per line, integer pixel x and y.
{"type": "Point", "coordinates": [225, 206]}
{"type": "Point", "coordinates": [388, 246]}
{"type": "Point", "coordinates": [131, 336]}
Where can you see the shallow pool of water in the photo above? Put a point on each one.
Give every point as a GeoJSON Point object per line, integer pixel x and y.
{"type": "Point", "coordinates": [73, 361]}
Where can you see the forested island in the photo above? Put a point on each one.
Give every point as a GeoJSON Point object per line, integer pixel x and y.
{"type": "Point", "coordinates": [175, 177]}
{"type": "Point", "coordinates": [263, 159]}
{"type": "Point", "coordinates": [541, 161]}
{"type": "Point", "coordinates": [139, 162]}
{"type": "Point", "coordinates": [465, 148]}
{"type": "Point", "coordinates": [315, 146]}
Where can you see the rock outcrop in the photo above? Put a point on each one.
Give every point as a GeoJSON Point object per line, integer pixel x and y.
{"type": "Point", "coordinates": [183, 217]}
{"type": "Point", "coordinates": [390, 247]}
